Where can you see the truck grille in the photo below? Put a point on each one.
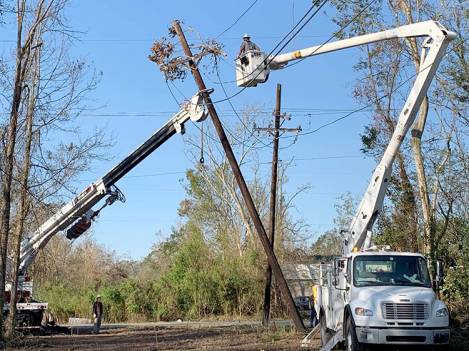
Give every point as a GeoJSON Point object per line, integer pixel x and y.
{"type": "Point", "coordinates": [405, 310]}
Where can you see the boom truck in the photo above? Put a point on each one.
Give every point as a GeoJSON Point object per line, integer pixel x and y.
{"type": "Point", "coordinates": [372, 295]}
{"type": "Point", "coordinates": [80, 210]}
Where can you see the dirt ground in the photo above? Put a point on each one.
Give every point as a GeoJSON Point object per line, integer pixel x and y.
{"type": "Point", "coordinates": [171, 338]}
{"type": "Point", "coordinates": [203, 337]}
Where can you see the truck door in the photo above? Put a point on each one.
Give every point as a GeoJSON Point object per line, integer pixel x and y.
{"type": "Point", "coordinates": [339, 290]}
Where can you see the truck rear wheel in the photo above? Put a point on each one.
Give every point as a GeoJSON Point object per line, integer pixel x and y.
{"type": "Point", "coordinates": [351, 341]}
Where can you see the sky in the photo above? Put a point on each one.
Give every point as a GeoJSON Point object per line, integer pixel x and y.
{"type": "Point", "coordinates": [115, 37]}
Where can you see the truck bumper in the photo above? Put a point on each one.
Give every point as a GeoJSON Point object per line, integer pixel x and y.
{"type": "Point", "coordinates": [404, 336]}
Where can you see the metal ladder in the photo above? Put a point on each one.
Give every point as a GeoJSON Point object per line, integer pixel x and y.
{"type": "Point", "coordinates": [333, 341]}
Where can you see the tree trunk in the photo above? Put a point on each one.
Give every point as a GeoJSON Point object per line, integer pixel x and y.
{"type": "Point", "coordinates": [8, 162]}
{"type": "Point", "coordinates": [24, 190]}
{"type": "Point", "coordinates": [417, 132]}
{"type": "Point", "coordinates": [23, 52]}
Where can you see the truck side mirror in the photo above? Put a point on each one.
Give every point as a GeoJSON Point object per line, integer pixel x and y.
{"type": "Point", "coordinates": [439, 271]}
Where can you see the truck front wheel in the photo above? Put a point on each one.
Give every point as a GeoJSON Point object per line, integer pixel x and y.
{"type": "Point", "coordinates": [351, 341]}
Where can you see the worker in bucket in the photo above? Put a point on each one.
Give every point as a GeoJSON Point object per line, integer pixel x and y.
{"type": "Point", "coordinates": [246, 45]}
{"type": "Point", "coordinates": [97, 314]}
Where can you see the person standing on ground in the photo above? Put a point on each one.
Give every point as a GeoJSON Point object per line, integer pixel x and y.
{"type": "Point", "coordinates": [97, 314]}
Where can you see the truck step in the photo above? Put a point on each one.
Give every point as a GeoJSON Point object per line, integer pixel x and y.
{"type": "Point", "coordinates": [338, 337]}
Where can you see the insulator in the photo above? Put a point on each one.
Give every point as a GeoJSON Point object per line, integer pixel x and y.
{"type": "Point", "coordinates": [81, 226]}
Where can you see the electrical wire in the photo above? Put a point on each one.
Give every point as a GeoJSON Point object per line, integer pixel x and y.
{"type": "Point", "coordinates": [229, 132]}
{"type": "Point", "coordinates": [237, 19]}
{"type": "Point", "coordinates": [359, 109]}
{"type": "Point", "coordinates": [159, 174]}
{"type": "Point", "coordinates": [372, 102]}
{"type": "Point", "coordinates": [320, 46]}
{"type": "Point", "coordinates": [239, 142]}
{"type": "Point", "coordinates": [304, 112]}
{"type": "Point", "coordinates": [335, 34]}
{"type": "Point", "coordinates": [228, 98]}
{"type": "Point", "coordinates": [235, 112]}
{"type": "Point", "coordinates": [179, 104]}
{"type": "Point", "coordinates": [279, 44]}
{"type": "Point", "coordinates": [172, 94]}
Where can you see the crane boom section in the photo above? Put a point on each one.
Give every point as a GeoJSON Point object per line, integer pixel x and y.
{"type": "Point", "coordinates": [359, 234]}
{"type": "Point", "coordinates": [83, 203]}
{"type": "Point", "coordinates": [175, 125]}
{"type": "Point", "coordinates": [255, 66]}
{"type": "Point", "coordinates": [430, 29]}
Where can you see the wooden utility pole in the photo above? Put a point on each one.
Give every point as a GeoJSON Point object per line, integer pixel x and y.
{"type": "Point", "coordinates": [241, 182]}
{"type": "Point", "coordinates": [273, 201]}
{"type": "Point", "coordinates": [273, 197]}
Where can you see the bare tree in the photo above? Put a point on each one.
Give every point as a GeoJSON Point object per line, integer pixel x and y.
{"type": "Point", "coordinates": [23, 54]}
{"type": "Point", "coordinates": [215, 201]}
{"type": "Point", "coordinates": [24, 198]}
{"type": "Point", "coordinates": [48, 92]}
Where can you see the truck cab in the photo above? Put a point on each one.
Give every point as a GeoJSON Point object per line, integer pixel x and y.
{"type": "Point", "coordinates": [382, 297]}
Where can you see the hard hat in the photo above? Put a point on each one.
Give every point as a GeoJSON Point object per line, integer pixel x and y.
{"type": "Point", "coordinates": [98, 296]}
{"type": "Point", "coordinates": [246, 36]}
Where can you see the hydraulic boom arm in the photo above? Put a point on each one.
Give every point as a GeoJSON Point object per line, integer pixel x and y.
{"type": "Point", "coordinates": [255, 67]}
{"type": "Point", "coordinates": [81, 206]}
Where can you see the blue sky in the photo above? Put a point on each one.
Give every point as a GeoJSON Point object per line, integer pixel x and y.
{"type": "Point", "coordinates": [116, 39]}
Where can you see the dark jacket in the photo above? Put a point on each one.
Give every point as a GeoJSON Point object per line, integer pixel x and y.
{"type": "Point", "coordinates": [98, 309]}
{"type": "Point", "coordinates": [246, 46]}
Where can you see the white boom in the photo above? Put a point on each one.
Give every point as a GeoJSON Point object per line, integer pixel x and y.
{"type": "Point", "coordinates": [354, 298]}
{"type": "Point", "coordinates": [81, 206]}
{"type": "Point", "coordinates": [255, 69]}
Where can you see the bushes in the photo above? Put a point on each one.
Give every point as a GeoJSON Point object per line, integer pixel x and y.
{"type": "Point", "coordinates": [65, 302]}
{"type": "Point", "coordinates": [212, 265]}
{"type": "Point", "coordinates": [200, 284]}
{"type": "Point", "coordinates": [197, 283]}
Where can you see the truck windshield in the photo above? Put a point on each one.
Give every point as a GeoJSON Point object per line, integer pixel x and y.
{"type": "Point", "coordinates": [390, 270]}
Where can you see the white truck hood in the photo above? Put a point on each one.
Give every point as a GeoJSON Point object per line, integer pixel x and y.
{"type": "Point", "coordinates": [373, 298]}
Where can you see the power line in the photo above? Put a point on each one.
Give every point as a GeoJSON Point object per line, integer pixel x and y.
{"type": "Point", "coordinates": [373, 101]}
{"type": "Point", "coordinates": [279, 44]}
{"type": "Point", "coordinates": [228, 98]}
{"type": "Point", "coordinates": [195, 124]}
{"type": "Point", "coordinates": [149, 40]}
{"type": "Point", "coordinates": [307, 112]}
{"type": "Point", "coordinates": [237, 19]}
{"type": "Point", "coordinates": [335, 34]}
{"type": "Point", "coordinates": [232, 135]}
{"type": "Point", "coordinates": [324, 43]}
{"type": "Point", "coordinates": [234, 110]}
{"type": "Point", "coordinates": [317, 158]}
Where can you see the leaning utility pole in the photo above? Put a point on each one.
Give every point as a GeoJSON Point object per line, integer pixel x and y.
{"type": "Point", "coordinates": [273, 197]}
{"type": "Point", "coordinates": [240, 181]}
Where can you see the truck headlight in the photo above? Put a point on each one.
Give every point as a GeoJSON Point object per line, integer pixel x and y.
{"type": "Point", "coordinates": [360, 311]}
{"type": "Point", "coordinates": [442, 312]}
